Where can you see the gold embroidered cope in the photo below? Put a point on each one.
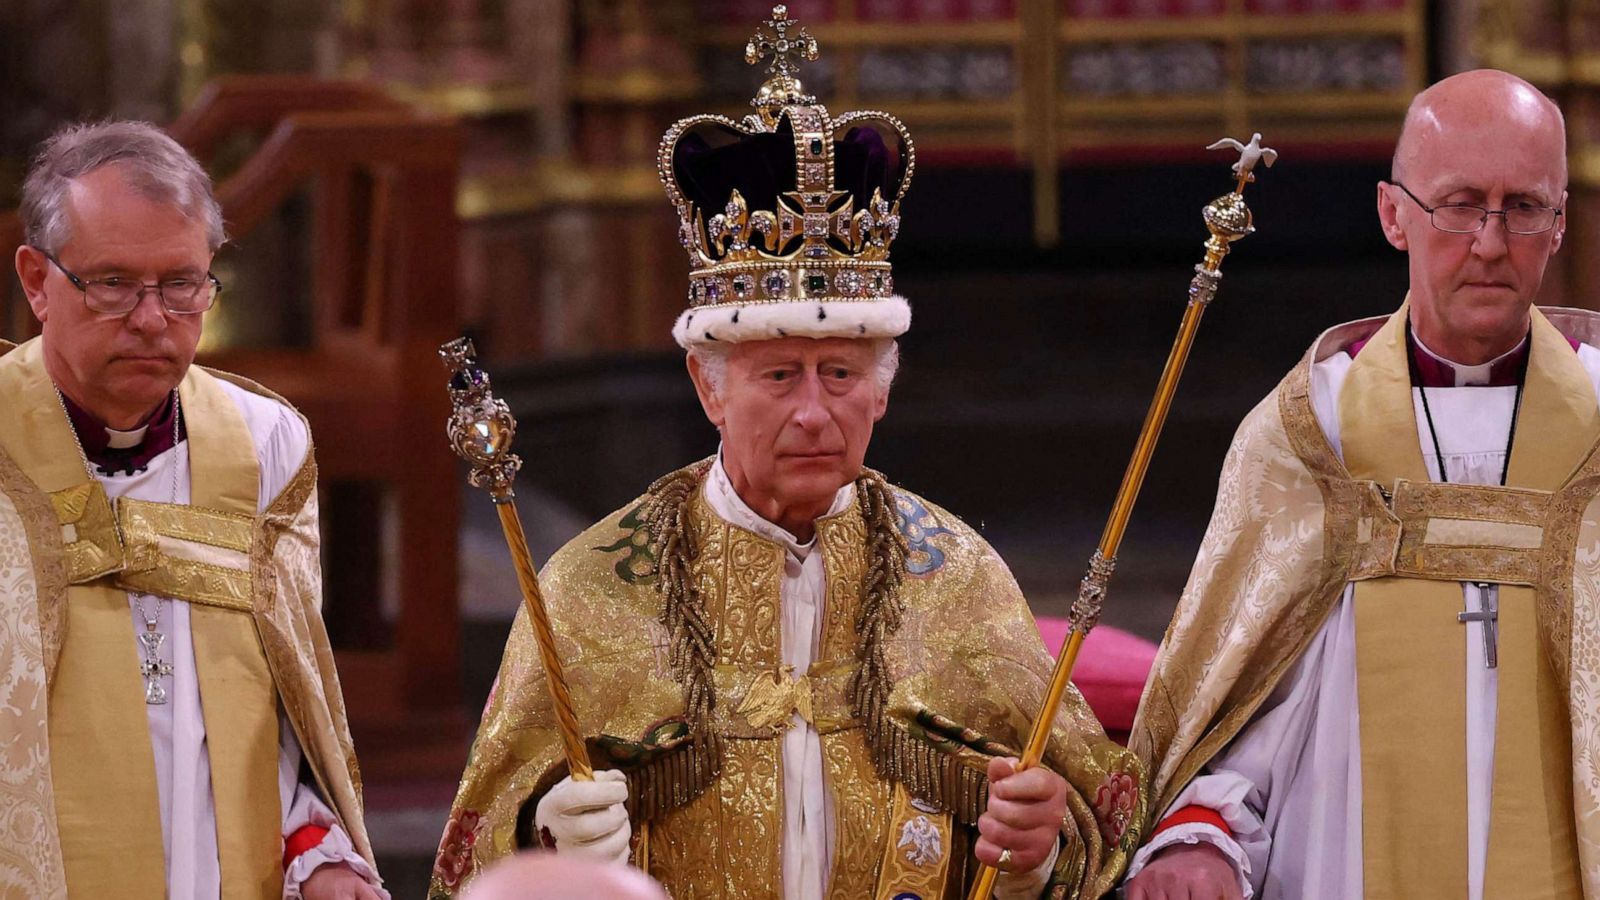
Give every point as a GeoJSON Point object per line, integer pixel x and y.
{"type": "Point", "coordinates": [1293, 525]}
{"type": "Point", "coordinates": [255, 585]}
{"type": "Point", "coordinates": [968, 671]}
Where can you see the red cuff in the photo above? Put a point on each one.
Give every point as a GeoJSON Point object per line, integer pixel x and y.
{"type": "Point", "coordinates": [306, 837]}
{"type": "Point", "coordinates": [1190, 815]}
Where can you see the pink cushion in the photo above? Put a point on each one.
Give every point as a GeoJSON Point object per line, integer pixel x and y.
{"type": "Point", "coordinates": [1111, 669]}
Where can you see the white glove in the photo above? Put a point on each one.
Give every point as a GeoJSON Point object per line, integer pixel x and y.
{"type": "Point", "coordinates": [588, 819]}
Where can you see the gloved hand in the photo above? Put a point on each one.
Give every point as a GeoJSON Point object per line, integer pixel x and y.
{"type": "Point", "coordinates": [587, 819]}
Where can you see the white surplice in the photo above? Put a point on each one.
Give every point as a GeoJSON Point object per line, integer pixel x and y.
{"type": "Point", "coordinates": [177, 727]}
{"type": "Point", "coordinates": [1289, 785]}
{"type": "Point", "coordinates": [808, 807]}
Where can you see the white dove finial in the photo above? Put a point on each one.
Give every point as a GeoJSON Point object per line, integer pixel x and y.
{"type": "Point", "coordinates": [1249, 155]}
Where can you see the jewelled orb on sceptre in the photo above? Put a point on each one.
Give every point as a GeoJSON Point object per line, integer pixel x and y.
{"type": "Point", "coordinates": [481, 427]}
{"type": "Point", "coordinates": [1228, 218]}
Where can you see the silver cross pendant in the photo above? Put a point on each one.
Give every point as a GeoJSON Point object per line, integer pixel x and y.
{"type": "Point", "coordinates": [152, 667]}
{"type": "Point", "coordinates": [1488, 615]}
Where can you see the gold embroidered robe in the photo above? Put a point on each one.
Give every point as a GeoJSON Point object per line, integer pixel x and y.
{"type": "Point", "coordinates": [1292, 527]}
{"type": "Point", "coordinates": [42, 539]}
{"type": "Point", "coordinates": [968, 669]}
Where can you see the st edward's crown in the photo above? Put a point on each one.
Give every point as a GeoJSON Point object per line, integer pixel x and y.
{"type": "Point", "coordinates": [812, 258]}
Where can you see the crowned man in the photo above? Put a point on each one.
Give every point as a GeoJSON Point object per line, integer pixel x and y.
{"type": "Point", "coordinates": [1381, 679]}
{"type": "Point", "coordinates": [798, 680]}
{"type": "Point", "coordinates": [173, 725]}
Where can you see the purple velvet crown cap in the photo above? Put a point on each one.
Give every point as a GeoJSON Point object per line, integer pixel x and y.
{"type": "Point", "coordinates": [712, 160]}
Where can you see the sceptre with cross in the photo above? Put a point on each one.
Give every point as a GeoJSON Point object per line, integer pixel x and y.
{"type": "Point", "coordinates": [480, 431]}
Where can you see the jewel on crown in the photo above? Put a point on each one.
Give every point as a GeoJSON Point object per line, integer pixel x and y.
{"type": "Point", "coordinates": [822, 233]}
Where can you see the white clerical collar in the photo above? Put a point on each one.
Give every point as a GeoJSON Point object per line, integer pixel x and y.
{"type": "Point", "coordinates": [726, 502]}
{"type": "Point", "coordinates": [1466, 375]}
{"type": "Point", "coordinates": [122, 440]}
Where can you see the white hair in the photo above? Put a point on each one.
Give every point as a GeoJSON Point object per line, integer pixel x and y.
{"type": "Point", "coordinates": [713, 359]}
{"type": "Point", "coordinates": [153, 163]}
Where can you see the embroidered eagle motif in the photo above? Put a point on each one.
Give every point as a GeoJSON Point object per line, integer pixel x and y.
{"type": "Point", "coordinates": [773, 698]}
{"type": "Point", "coordinates": [921, 841]}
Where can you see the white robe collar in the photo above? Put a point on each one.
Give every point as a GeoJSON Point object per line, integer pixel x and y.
{"type": "Point", "coordinates": [1468, 376]}
{"type": "Point", "coordinates": [726, 502]}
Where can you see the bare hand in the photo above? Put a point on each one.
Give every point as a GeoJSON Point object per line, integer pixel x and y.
{"type": "Point", "coordinates": [1186, 872]}
{"type": "Point", "coordinates": [1024, 816]}
{"type": "Point", "coordinates": [337, 881]}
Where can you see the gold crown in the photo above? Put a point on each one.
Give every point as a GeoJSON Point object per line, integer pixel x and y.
{"type": "Point", "coordinates": [811, 239]}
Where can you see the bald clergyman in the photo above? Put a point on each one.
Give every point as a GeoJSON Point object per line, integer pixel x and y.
{"type": "Point", "coordinates": [1382, 677]}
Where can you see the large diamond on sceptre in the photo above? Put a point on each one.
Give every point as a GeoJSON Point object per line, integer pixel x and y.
{"type": "Point", "coordinates": [1228, 219]}
{"type": "Point", "coordinates": [481, 427]}
{"type": "Point", "coordinates": [480, 430]}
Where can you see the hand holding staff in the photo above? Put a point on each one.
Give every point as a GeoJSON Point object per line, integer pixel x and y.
{"type": "Point", "coordinates": [1228, 219]}
{"type": "Point", "coordinates": [480, 431]}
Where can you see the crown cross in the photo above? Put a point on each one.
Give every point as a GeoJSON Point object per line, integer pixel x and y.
{"type": "Point", "coordinates": [783, 49]}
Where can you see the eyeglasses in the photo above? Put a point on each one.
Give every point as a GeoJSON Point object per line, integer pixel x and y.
{"type": "Point", "coordinates": [117, 296]}
{"type": "Point", "coordinates": [1463, 218]}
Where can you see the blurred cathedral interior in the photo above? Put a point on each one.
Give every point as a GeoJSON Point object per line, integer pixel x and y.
{"type": "Point", "coordinates": [398, 172]}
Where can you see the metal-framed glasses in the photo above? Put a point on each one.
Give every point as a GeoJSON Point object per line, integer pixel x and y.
{"type": "Point", "coordinates": [1464, 218]}
{"type": "Point", "coordinates": [116, 295]}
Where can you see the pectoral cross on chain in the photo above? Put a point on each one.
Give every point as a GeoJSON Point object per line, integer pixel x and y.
{"type": "Point", "coordinates": [1489, 615]}
{"type": "Point", "coordinates": [152, 667]}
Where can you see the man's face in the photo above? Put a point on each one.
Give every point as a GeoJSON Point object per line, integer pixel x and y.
{"type": "Point", "coordinates": [113, 364]}
{"type": "Point", "coordinates": [1476, 287]}
{"type": "Point", "coordinates": [796, 415]}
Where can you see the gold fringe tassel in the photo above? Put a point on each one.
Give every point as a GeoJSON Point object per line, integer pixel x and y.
{"type": "Point", "coordinates": [664, 784]}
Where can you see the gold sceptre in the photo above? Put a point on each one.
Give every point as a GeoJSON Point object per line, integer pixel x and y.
{"type": "Point", "coordinates": [480, 431]}
{"type": "Point", "coordinates": [1228, 219]}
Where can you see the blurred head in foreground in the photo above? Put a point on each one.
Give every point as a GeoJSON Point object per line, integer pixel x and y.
{"type": "Point", "coordinates": [546, 876]}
